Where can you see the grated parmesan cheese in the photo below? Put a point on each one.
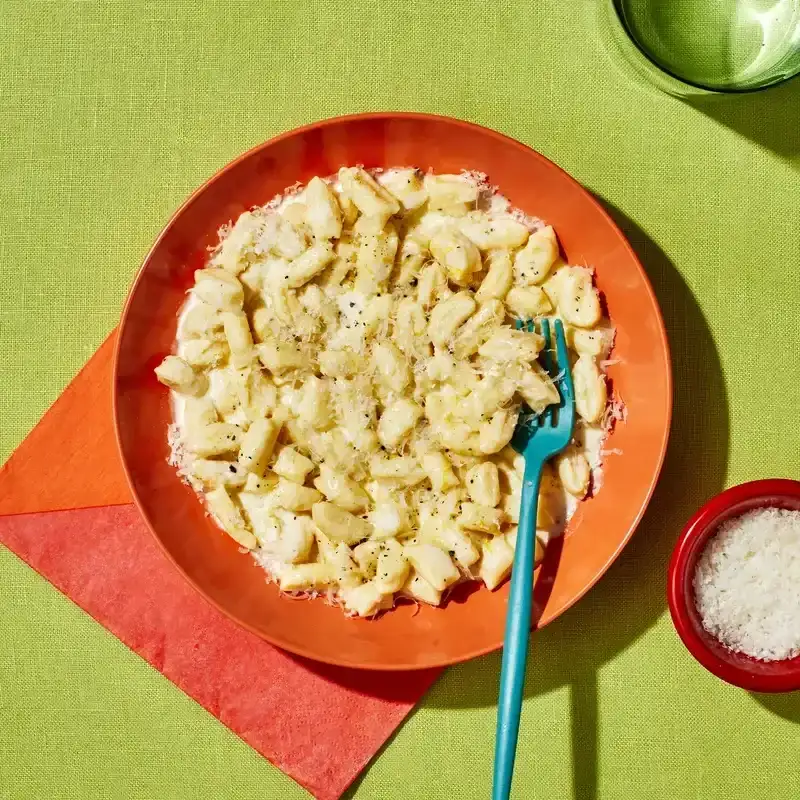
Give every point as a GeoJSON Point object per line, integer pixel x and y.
{"type": "Point", "coordinates": [747, 584]}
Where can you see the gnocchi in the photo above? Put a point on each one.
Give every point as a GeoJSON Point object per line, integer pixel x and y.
{"type": "Point", "coordinates": [348, 376]}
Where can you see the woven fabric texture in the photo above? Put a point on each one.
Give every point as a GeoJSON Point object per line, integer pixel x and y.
{"type": "Point", "coordinates": [113, 111]}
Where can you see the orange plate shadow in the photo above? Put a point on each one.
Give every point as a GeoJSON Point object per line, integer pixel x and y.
{"type": "Point", "coordinates": [404, 638]}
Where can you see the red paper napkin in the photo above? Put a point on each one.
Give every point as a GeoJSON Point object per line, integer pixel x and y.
{"type": "Point", "coordinates": [68, 513]}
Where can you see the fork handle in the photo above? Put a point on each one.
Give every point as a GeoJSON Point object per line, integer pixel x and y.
{"type": "Point", "coordinates": [515, 645]}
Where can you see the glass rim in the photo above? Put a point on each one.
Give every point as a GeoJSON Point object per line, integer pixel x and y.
{"type": "Point", "coordinates": [704, 87]}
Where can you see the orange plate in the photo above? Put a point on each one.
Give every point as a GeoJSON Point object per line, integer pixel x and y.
{"type": "Point", "coordinates": [471, 623]}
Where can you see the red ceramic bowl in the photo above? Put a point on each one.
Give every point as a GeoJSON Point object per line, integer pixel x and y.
{"type": "Point", "coordinates": [468, 626]}
{"type": "Point", "coordinates": [735, 668]}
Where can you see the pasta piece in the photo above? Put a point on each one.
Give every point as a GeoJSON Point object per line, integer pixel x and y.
{"type": "Point", "coordinates": [420, 589]}
{"type": "Point", "coordinates": [366, 556]}
{"type": "Point", "coordinates": [375, 260]}
{"type": "Point", "coordinates": [449, 538]}
{"type": "Point", "coordinates": [296, 537]}
{"type": "Point", "coordinates": [389, 519]}
{"type": "Point", "coordinates": [198, 412]}
{"type": "Point", "coordinates": [257, 445]}
{"type": "Point", "coordinates": [261, 396]}
{"type": "Point", "coordinates": [452, 193]}
{"type": "Point", "coordinates": [294, 497]}
{"type": "Point", "coordinates": [309, 264]}
{"type": "Point", "coordinates": [431, 285]}
{"type": "Point", "coordinates": [397, 421]}
{"type": "Point", "coordinates": [410, 259]}
{"type": "Point", "coordinates": [494, 233]}
{"type": "Point", "coordinates": [484, 519]}
{"type": "Point", "coordinates": [536, 388]}
{"type": "Point", "coordinates": [533, 263]}
{"type": "Point", "coordinates": [478, 328]}
{"type": "Point", "coordinates": [349, 209]}
{"type": "Point", "coordinates": [212, 474]}
{"type": "Point", "coordinates": [204, 353]}
{"type": "Point", "coordinates": [229, 517]}
{"type": "Point", "coordinates": [392, 569]}
{"type": "Point", "coordinates": [317, 304]}
{"type": "Point", "coordinates": [375, 319]}
{"type": "Point", "coordinates": [528, 303]}
{"type": "Point", "coordinates": [371, 199]}
{"type": "Point", "coordinates": [280, 357]}
{"type": "Point", "coordinates": [339, 363]}
{"type": "Point", "coordinates": [595, 343]}
{"type": "Point", "coordinates": [281, 237]}
{"type": "Point", "coordinates": [340, 525]}
{"type": "Point", "coordinates": [458, 437]}
{"type": "Point", "coordinates": [406, 185]}
{"type": "Point", "coordinates": [240, 340]}
{"type": "Point", "coordinates": [498, 556]}
{"type": "Point", "coordinates": [390, 367]}
{"type": "Point", "coordinates": [214, 440]}
{"type": "Point", "coordinates": [356, 410]}
{"type": "Point", "coordinates": [218, 288]}
{"type": "Point", "coordinates": [334, 447]}
{"type": "Point", "coordinates": [483, 484]}
{"type": "Point", "coordinates": [314, 407]}
{"type": "Point", "coordinates": [405, 470]}
{"type": "Point", "coordinates": [292, 465]}
{"type": "Point", "coordinates": [296, 213]}
{"type": "Point", "coordinates": [241, 238]}
{"type": "Point", "coordinates": [260, 484]}
{"type": "Point", "coordinates": [496, 434]}
{"type": "Point", "coordinates": [306, 577]}
{"type": "Point", "coordinates": [179, 376]}
{"type": "Point", "coordinates": [573, 472]}
{"type": "Point", "coordinates": [440, 471]}
{"type": "Point", "coordinates": [550, 509]}
{"type": "Point", "coordinates": [448, 315]}
{"type": "Point", "coordinates": [201, 321]}
{"type": "Point", "coordinates": [506, 344]}
{"type": "Point", "coordinates": [229, 392]}
{"type": "Point", "coordinates": [458, 255]}
{"type": "Point", "coordinates": [443, 368]}
{"type": "Point", "coordinates": [364, 600]}
{"type": "Point", "coordinates": [410, 332]}
{"type": "Point", "coordinates": [578, 300]}
{"type": "Point", "coordinates": [341, 490]}
{"type": "Point", "coordinates": [433, 564]}
{"type": "Point", "coordinates": [491, 394]}
{"type": "Point", "coordinates": [499, 277]}
{"type": "Point", "coordinates": [338, 555]}
{"type": "Point", "coordinates": [323, 214]}
{"type": "Point", "coordinates": [252, 279]}
{"type": "Point", "coordinates": [590, 389]}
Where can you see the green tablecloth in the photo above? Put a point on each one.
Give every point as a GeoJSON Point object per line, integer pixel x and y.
{"type": "Point", "coordinates": [112, 111]}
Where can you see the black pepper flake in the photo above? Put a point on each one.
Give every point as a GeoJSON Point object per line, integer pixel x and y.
{"type": "Point", "coordinates": [232, 468]}
{"type": "Point", "coordinates": [352, 304]}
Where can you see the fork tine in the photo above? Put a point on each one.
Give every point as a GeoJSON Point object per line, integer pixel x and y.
{"type": "Point", "coordinates": [547, 416]}
{"type": "Point", "coordinates": [566, 389]}
{"type": "Point", "coordinates": [547, 356]}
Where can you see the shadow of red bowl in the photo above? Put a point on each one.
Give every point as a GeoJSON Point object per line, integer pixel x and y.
{"type": "Point", "coordinates": [734, 668]}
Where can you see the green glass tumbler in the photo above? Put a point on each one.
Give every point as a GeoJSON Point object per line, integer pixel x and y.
{"type": "Point", "coordinates": [692, 47]}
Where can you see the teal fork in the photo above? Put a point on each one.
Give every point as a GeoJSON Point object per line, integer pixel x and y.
{"type": "Point", "coordinates": [538, 438]}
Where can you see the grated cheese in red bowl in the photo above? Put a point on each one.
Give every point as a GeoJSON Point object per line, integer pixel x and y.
{"type": "Point", "coordinates": [747, 584]}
